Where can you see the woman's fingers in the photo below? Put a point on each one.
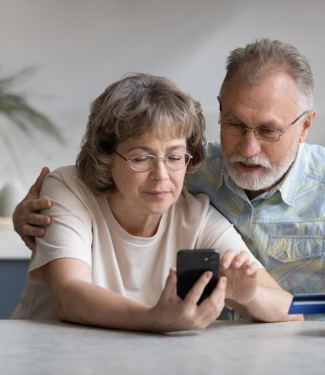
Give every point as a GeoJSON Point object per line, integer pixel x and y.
{"type": "Point", "coordinates": [196, 291]}
{"type": "Point", "coordinates": [252, 269]}
{"type": "Point", "coordinates": [216, 302]}
{"type": "Point", "coordinates": [227, 259]}
{"type": "Point", "coordinates": [235, 260]}
{"type": "Point", "coordinates": [171, 313]}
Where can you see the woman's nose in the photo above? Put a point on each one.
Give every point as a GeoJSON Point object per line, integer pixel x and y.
{"type": "Point", "coordinates": [160, 171]}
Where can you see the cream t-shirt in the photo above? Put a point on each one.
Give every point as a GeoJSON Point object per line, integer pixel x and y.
{"type": "Point", "coordinates": [83, 227]}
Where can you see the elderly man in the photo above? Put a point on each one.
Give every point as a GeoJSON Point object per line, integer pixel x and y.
{"type": "Point", "coordinates": [263, 178]}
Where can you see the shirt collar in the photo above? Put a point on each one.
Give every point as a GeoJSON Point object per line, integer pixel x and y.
{"type": "Point", "coordinates": [221, 177]}
{"type": "Point", "coordinates": [291, 182]}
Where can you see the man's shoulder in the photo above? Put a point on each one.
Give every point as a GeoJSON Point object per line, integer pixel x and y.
{"type": "Point", "coordinates": [208, 177]}
{"type": "Point", "coordinates": [194, 203]}
{"type": "Point", "coordinates": [213, 150]}
{"type": "Point", "coordinates": [213, 164]}
{"type": "Point", "coordinates": [314, 166]}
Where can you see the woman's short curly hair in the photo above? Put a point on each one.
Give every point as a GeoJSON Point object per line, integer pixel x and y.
{"type": "Point", "coordinates": [129, 108]}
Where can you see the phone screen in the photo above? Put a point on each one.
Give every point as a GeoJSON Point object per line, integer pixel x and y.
{"type": "Point", "coordinates": [191, 264]}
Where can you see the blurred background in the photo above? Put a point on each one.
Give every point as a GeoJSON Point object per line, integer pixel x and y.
{"type": "Point", "coordinates": [78, 47]}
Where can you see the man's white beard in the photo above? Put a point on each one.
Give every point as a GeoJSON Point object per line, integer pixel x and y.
{"type": "Point", "coordinates": [264, 179]}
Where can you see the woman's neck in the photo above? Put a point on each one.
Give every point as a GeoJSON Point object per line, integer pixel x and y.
{"type": "Point", "coordinates": [139, 225]}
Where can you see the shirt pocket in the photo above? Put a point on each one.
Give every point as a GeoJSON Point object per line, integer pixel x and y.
{"type": "Point", "coordinates": [297, 262]}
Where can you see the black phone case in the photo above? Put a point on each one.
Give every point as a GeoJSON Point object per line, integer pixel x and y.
{"type": "Point", "coordinates": [191, 264]}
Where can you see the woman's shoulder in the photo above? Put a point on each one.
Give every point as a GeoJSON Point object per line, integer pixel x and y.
{"type": "Point", "coordinates": [68, 175]}
{"type": "Point", "coordinates": [65, 173]}
{"type": "Point", "coordinates": [65, 180]}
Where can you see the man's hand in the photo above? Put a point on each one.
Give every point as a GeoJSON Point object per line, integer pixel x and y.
{"type": "Point", "coordinates": [28, 223]}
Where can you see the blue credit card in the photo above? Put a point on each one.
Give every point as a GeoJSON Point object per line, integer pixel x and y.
{"type": "Point", "coordinates": [310, 303]}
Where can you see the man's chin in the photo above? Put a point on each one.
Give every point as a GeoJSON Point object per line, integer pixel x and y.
{"type": "Point", "coordinates": [254, 183]}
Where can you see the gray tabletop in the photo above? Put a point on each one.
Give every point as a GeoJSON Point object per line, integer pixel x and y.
{"type": "Point", "coordinates": [28, 347]}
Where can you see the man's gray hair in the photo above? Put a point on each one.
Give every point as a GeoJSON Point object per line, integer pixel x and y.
{"type": "Point", "coordinates": [257, 61]}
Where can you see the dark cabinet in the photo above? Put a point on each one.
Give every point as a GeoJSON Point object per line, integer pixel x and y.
{"type": "Point", "coordinates": [13, 275]}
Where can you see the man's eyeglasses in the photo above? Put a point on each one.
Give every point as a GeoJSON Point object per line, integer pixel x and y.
{"type": "Point", "coordinates": [264, 134]}
{"type": "Point", "coordinates": [146, 162]}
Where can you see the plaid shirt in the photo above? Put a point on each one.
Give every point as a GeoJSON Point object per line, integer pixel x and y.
{"type": "Point", "coordinates": [283, 227]}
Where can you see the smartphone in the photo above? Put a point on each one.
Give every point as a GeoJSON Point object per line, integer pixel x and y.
{"type": "Point", "coordinates": [191, 264]}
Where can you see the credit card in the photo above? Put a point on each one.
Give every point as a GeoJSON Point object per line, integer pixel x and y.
{"type": "Point", "coordinates": [309, 303]}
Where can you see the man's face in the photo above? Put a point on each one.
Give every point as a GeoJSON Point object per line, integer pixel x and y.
{"type": "Point", "coordinates": [253, 164]}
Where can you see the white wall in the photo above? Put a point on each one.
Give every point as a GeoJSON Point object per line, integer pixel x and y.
{"type": "Point", "coordinates": [81, 46]}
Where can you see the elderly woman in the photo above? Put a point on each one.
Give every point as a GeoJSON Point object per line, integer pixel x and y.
{"type": "Point", "coordinates": [121, 214]}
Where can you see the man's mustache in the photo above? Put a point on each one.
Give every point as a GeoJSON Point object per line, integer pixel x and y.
{"type": "Point", "coordinates": [254, 160]}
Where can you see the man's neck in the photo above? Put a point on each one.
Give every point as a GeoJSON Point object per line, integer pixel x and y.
{"type": "Point", "coordinates": [251, 194]}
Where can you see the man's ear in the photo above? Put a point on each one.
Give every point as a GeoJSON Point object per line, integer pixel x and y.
{"type": "Point", "coordinates": [306, 126]}
{"type": "Point", "coordinates": [218, 97]}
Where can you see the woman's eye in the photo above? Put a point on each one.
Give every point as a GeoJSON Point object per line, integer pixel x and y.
{"type": "Point", "coordinates": [174, 158]}
{"type": "Point", "coordinates": [141, 159]}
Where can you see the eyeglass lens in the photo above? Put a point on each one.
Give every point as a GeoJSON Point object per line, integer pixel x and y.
{"type": "Point", "coordinates": [260, 133]}
{"type": "Point", "coordinates": [172, 161]}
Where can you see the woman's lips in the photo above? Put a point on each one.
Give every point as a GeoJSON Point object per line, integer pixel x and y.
{"type": "Point", "coordinates": [158, 194]}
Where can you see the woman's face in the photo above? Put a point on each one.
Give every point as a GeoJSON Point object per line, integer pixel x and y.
{"type": "Point", "coordinates": [150, 192]}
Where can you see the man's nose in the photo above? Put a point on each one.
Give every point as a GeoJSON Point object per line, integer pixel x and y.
{"type": "Point", "coordinates": [250, 145]}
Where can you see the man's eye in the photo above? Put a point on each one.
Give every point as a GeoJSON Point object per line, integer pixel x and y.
{"type": "Point", "coordinates": [235, 126]}
{"type": "Point", "coordinates": [141, 159]}
{"type": "Point", "coordinates": [266, 131]}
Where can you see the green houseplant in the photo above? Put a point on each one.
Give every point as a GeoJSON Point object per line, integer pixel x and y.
{"type": "Point", "coordinates": [16, 108]}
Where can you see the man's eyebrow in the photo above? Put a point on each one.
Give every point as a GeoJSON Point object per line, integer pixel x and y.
{"type": "Point", "coordinates": [231, 114]}
{"type": "Point", "coordinates": [270, 123]}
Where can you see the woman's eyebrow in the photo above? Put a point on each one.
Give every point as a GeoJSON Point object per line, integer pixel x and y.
{"type": "Point", "coordinates": [140, 148]}
{"type": "Point", "coordinates": [151, 150]}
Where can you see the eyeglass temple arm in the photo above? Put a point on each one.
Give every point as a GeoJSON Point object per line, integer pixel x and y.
{"type": "Point", "coordinates": [297, 119]}
{"type": "Point", "coordinates": [120, 155]}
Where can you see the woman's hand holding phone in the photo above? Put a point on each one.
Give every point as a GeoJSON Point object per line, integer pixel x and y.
{"type": "Point", "coordinates": [242, 276]}
{"type": "Point", "coordinates": [174, 314]}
